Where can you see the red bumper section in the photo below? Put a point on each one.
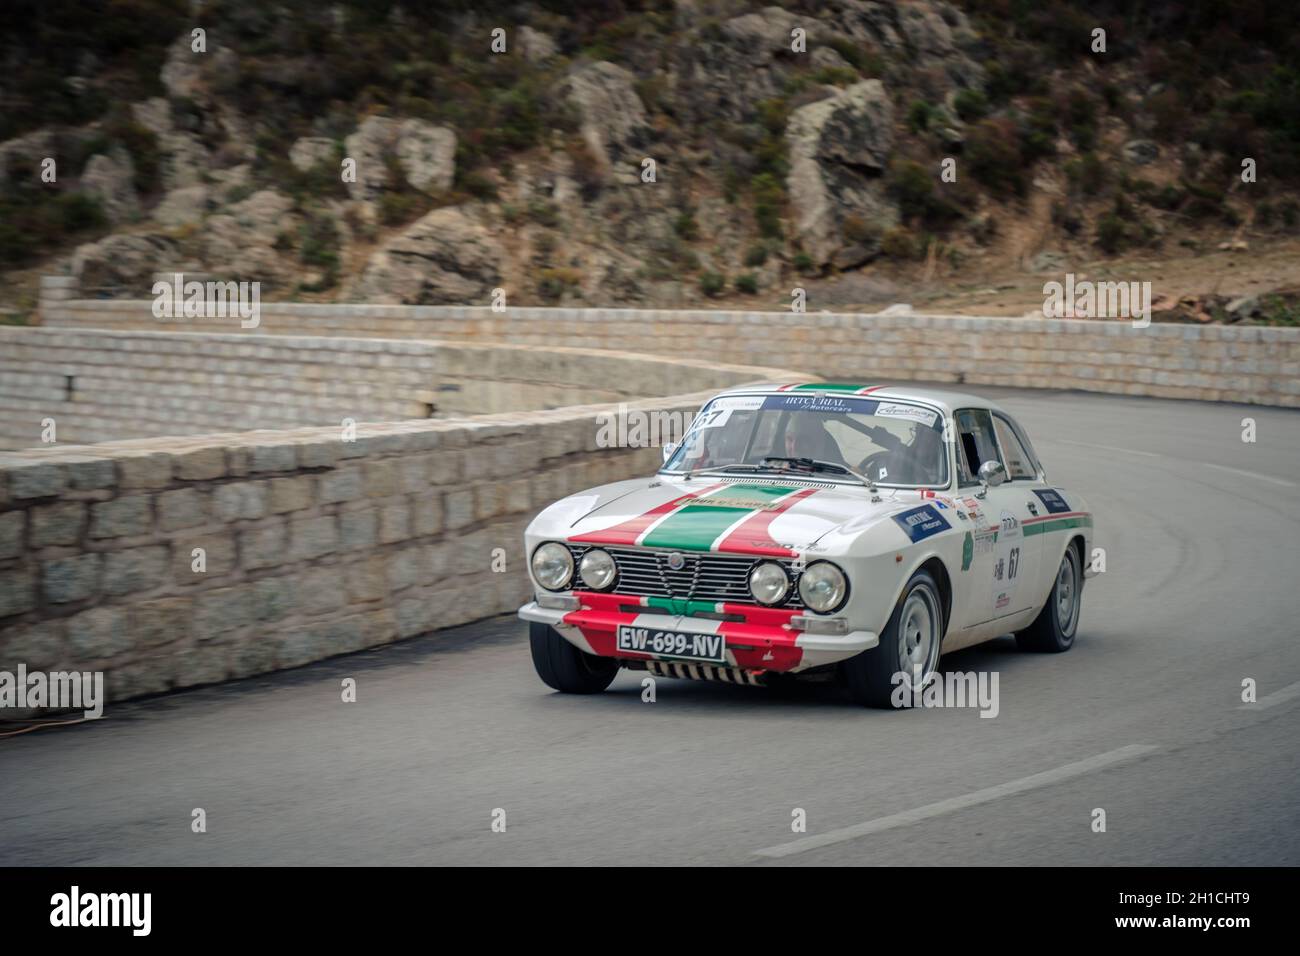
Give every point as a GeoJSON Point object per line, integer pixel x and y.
{"type": "Point", "coordinates": [760, 638]}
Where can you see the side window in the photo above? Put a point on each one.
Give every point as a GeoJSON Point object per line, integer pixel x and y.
{"type": "Point", "coordinates": [975, 443]}
{"type": "Point", "coordinates": [1020, 463]}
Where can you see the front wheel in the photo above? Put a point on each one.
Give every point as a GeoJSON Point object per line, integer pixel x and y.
{"type": "Point", "coordinates": [566, 668]}
{"type": "Point", "coordinates": [1053, 630]}
{"type": "Point", "coordinates": [908, 653]}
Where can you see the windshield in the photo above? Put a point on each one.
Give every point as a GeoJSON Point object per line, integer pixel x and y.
{"type": "Point", "coordinates": [891, 442]}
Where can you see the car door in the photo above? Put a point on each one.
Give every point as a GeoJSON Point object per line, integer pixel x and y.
{"type": "Point", "coordinates": [1003, 560]}
{"type": "Point", "coordinates": [1025, 475]}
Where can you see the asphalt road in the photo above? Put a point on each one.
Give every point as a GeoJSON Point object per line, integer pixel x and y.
{"type": "Point", "coordinates": [1143, 719]}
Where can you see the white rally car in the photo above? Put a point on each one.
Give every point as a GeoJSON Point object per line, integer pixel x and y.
{"type": "Point", "coordinates": [808, 530]}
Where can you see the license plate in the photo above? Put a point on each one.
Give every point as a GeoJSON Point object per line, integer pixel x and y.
{"type": "Point", "coordinates": [711, 648]}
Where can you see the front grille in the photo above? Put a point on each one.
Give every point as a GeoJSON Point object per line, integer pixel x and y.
{"type": "Point", "coordinates": [702, 577]}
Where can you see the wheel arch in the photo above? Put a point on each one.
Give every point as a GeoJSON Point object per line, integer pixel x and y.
{"type": "Point", "coordinates": [939, 571]}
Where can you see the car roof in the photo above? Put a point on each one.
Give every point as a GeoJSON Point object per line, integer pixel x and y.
{"type": "Point", "coordinates": [946, 400]}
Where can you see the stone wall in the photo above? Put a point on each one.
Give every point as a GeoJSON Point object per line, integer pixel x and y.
{"type": "Point", "coordinates": [109, 385]}
{"type": "Point", "coordinates": [1213, 363]}
{"type": "Point", "coordinates": [311, 546]}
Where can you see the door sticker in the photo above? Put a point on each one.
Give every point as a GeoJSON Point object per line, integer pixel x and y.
{"type": "Point", "coordinates": [920, 523]}
{"type": "Point", "coordinates": [1052, 500]}
{"type": "Point", "coordinates": [1006, 562]}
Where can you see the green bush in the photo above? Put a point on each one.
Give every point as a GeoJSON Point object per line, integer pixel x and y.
{"type": "Point", "coordinates": [686, 227]}
{"type": "Point", "coordinates": [756, 256]}
{"type": "Point", "coordinates": [920, 115]}
{"type": "Point", "coordinates": [899, 243]}
{"type": "Point", "coordinates": [399, 208]}
{"type": "Point", "coordinates": [769, 202]}
{"type": "Point", "coordinates": [912, 187]}
{"type": "Point", "coordinates": [77, 212]}
{"type": "Point", "coordinates": [971, 105]}
{"type": "Point", "coordinates": [552, 284]}
{"type": "Point", "coordinates": [712, 284]}
{"type": "Point", "coordinates": [994, 157]}
{"type": "Point", "coordinates": [1087, 174]}
{"type": "Point", "coordinates": [1037, 130]}
{"type": "Point", "coordinates": [836, 76]}
{"type": "Point", "coordinates": [477, 184]}
{"type": "Point", "coordinates": [861, 59]}
{"type": "Point", "coordinates": [544, 213]}
{"type": "Point", "coordinates": [34, 222]}
{"type": "Point", "coordinates": [1111, 234]}
{"type": "Point", "coordinates": [747, 283]}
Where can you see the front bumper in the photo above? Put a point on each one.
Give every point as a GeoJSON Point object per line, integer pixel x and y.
{"type": "Point", "coordinates": [762, 638]}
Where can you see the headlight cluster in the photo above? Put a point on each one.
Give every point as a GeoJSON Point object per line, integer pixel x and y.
{"type": "Point", "coordinates": [769, 583]}
{"type": "Point", "coordinates": [823, 587]}
{"type": "Point", "coordinates": [597, 569]}
{"type": "Point", "coordinates": [553, 567]}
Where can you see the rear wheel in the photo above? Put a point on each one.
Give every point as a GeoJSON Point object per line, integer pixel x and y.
{"type": "Point", "coordinates": [566, 668]}
{"type": "Point", "coordinates": [1053, 630]}
{"type": "Point", "coordinates": [908, 652]}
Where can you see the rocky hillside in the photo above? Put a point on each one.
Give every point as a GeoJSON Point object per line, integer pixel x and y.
{"type": "Point", "coordinates": [636, 153]}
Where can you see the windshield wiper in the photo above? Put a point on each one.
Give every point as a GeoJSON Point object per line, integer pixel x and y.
{"type": "Point", "coordinates": [781, 464]}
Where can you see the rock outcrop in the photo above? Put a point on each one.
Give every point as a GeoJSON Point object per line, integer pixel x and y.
{"type": "Point", "coordinates": [109, 177]}
{"type": "Point", "coordinates": [124, 264]}
{"type": "Point", "coordinates": [613, 118]}
{"type": "Point", "coordinates": [425, 153]}
{"type": "Point", "coordinates": [839, 147]}
{"type": "Point", "coordinates": [447, 256]}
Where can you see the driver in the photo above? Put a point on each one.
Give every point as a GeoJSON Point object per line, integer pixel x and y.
{"type": "Point", "coordinates": [806, 437]}
{"type": "Point", "coordinates": [919, 462]}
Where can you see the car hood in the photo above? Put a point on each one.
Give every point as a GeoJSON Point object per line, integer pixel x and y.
{"type": "Point", "coordinates": [773, 518]}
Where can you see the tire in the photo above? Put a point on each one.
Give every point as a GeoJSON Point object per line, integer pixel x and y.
{"type": "Point", "coordinates": [1053, 630]}
{"type": "Point", "coordinates": [910, 644]}
{"type": "Point", "coordinates": [564, 667]}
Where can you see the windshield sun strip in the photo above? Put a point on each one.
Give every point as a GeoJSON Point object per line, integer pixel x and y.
{"type": "Point", "coordinates": [827, 476]}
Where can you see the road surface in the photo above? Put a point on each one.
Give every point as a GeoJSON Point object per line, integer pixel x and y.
{"type": "Point", "coordinates": [1142, 719]}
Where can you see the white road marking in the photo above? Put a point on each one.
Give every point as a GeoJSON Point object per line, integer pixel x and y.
{"type": "Point", "coordinates": [1252, 474]}
{"type": "Point", "coordinates": [1275, 698]}
{"type": "Point", "coordinates": [951, 805]}
{"type": "Point", "coordinates": [1205, 464]}
{"type": "Point", "coordinates": [1084, 444]}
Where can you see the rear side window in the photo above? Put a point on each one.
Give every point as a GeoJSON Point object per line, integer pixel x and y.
{"type": "Point", "coordinates": [1019, 461]}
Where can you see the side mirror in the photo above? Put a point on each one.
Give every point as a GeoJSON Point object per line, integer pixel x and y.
{"type": "Point", "coordinates": [670, 448]}
{"type": "Point", "coordinates": [992, 474]}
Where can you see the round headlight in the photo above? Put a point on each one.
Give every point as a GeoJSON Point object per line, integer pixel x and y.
{"type": "Point", "coordinates": [597, 569]}
{"type": "Point", "coordinates": [823, 587]}
{"type": "Point", "coordinates": [768, 583]}
{"type": "Point", "coordinates": [553, 566]}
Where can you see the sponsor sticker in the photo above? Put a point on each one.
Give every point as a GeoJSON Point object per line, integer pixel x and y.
{"type": "Point", "coordinates": [911, 412]}
{"type": "Point", "coordinates": [1006, 562]}
{"type": "Point", "coordinates": [920, 523]}
{"type": "Point", "coordinates": [739, 402]}
{"type": "Point", "coordinates": [818, 403]}
{"type": "Point", "coordinates": [1052, 500]}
